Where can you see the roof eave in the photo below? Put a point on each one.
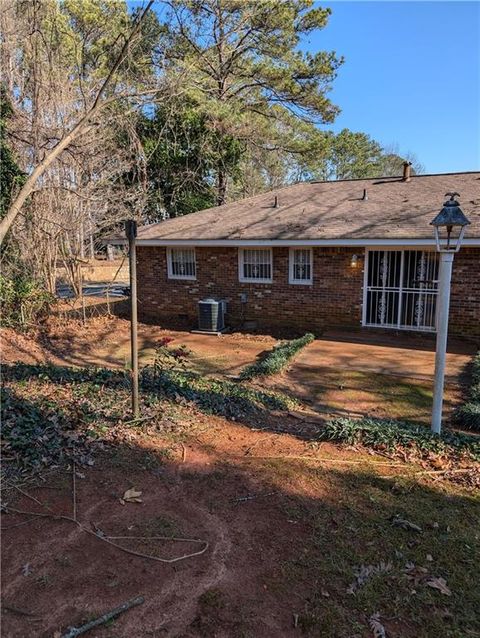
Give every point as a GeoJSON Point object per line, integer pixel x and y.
{"type": "Point", "coordinates": [340, 242]}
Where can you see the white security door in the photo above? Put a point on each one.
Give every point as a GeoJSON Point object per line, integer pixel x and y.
{"type": "Point", "coordinates": [401, 289]}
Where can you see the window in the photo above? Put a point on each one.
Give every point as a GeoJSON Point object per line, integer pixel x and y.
{"type": "Point", "coordinates": [255, 264]}
{"type": "Point", "coordinates": [181, 263]}
{"type": "Point", "coordinates": [300, 267]}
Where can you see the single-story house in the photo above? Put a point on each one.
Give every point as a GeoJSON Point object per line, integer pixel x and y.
{"type": "Point", "coordinates": [318, 255]}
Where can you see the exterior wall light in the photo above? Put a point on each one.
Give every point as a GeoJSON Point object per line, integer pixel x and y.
{"type": "Point", "coordinates": [450, 225]}
{"type": "Point", "coordinates": [354, 261]}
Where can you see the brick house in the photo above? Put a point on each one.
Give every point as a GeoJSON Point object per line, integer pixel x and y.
{"type": "Point", "coordinates": [313, 256]}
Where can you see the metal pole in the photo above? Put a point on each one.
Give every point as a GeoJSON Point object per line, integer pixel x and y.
{"type": "Point", "coordinates": [445, 276]}
{"type": "Point", "coordinates": [131, 230]}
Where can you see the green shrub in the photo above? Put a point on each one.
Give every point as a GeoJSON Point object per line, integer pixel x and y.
{"type": "Point", "coordinates": [171, 357]}
{"type": "Point", "coordinates": [34, 431]}
{"type": "Point", "coordinates": [276, 359]}
{"type": "Point", "coordinates": [468, 414]}
{"type": "Point", "coordinates": [389, 434]}
{"type": "Point", "coordinates": [170, 375]}
{"type": "Point", "coordinates": [23, 301]}
{"type": "Point", "coordinates": [215, 396]}
{"type": "Point", "coordinates": [65, 375]}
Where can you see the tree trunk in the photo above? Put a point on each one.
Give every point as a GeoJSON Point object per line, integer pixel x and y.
{"type": "Point", "coordinates": [221, 185]}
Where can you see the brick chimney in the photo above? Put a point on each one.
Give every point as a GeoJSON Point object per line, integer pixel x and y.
{"type": "Point", "coordinates": [407, 171]}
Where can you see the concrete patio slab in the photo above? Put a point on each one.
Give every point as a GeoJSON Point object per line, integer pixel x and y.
{"type": "Point", "coordinates": [410, 362]}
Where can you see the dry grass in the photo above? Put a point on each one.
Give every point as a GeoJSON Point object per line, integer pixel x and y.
{"type": "Point", "coordinates": [357, 393]}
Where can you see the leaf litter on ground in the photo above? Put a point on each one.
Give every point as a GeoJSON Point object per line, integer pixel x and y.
{"type": "Point", "coordinates": [420, 576]}
{"type": "Point", "coordinates": [131, 496]}
{"type": "Point", "coordinates": [405, 524]}
{"type": "Point", "coordinates": [440, 584]}
{"type": "Point", "coordinates": [376, 626]}
{"type": "Point", "coordinates": [27, 569]}
{"type": "Point", "coordinates": [365, 572]}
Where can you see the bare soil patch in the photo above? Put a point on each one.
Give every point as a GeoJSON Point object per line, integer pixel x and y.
{"type": "Point", "coordinates": [286, 537]}
{"type": "Point", "coordinates": [330, 377]}
{"type": "Point", "coordinates": [303, 537]}
{"type": "Point", "coordinates": [105, 341]}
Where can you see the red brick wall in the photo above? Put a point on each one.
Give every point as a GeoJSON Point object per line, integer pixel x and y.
{"type": "Point", "coordinates": [465, 293]}
{"type": "Point", "coordinates": [334, 299]}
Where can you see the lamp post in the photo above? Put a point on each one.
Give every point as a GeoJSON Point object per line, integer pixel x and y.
{"type": "Point", "coordinates": [449, 225]}
{"type": "Point", "coordinates": [131, 233]}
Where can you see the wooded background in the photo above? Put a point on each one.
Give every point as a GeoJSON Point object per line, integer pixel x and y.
{"type": "Point", "coordinates": [109, 114]}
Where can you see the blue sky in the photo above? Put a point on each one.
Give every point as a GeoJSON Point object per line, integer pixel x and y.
{"type": "Point", "coordinates": [411, 77]}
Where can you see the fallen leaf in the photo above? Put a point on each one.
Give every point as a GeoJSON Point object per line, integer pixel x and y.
{"type": "Point", "coordinates": [27, 569]}
{"type": "Point", "coordinates": [440, 584]}
{"type": "Point", "coordinates": [131, 496]}
{"type": "Point", "coordinates": [376, 626]}
{"type": "Point", "coordinates": [405, 524]}
{"type": "Point", "coordinates": [364, 572]}
{"type": "Point", "coordinates": [325, 593]}
{"type": "Point", "coordinates": [430, 558]}
{"type": "Point", "coordinates": [415, 572]}
{"type": "Point", "coordinates": [113, 583]}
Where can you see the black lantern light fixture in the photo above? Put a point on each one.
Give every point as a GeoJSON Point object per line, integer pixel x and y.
{"type": "Point", "coordinates": [453, 222]}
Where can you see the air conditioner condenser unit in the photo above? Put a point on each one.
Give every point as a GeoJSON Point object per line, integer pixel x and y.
{"type": "Point", "coordinates": [211, 315]}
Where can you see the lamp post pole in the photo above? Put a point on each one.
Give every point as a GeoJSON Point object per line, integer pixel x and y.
{"type": "Point", "coordinates": [452, 220]}
{"type": "Point", "coordinates": [443, 305]}
{"type": "Point", "coordinates": [131, 232]}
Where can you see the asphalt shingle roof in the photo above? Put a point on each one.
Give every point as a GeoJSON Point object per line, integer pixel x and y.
{"type": "Point", "coordinates": [395, 209]}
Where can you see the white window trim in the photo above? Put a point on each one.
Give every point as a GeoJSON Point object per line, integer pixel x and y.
{"type": "Point", "coordinates": [291, 279]}
{"type": "Point", "coordinates": [243, 279]}
{"type": "Point", "coordinates": [169, 263]}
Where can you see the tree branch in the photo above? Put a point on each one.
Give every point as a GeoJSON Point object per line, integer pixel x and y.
{"type": "Point", "coordinates": [77, 130]}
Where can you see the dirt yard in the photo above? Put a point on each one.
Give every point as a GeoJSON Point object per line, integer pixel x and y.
{"type": "Point", "coordinates": [297, 537]}
{"type": "Point", "coordinates": [286, 537]}
{"type": "Point", "coordinates": [106, 342]}
{"type": "Point", "coordinates": [332, 376]}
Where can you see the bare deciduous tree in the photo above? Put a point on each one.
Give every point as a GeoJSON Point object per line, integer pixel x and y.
{"type": "Point", "coordinates": [55, 105]}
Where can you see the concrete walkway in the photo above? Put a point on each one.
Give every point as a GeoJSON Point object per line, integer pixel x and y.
{"type": "Point", "coordinates": [336, 351]}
